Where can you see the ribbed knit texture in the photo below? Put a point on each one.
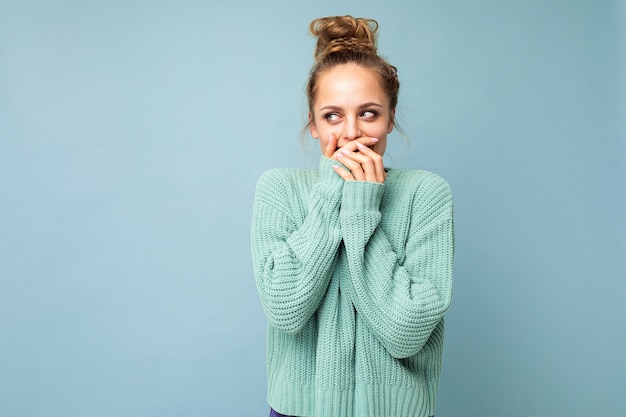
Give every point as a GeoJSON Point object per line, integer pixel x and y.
{"type": "Point", "coordinates": [354, 278]}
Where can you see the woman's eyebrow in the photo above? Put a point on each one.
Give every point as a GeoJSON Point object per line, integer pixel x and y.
{"type": "Point", "coordinates": [330, 107]}
{"type": "Point", "coordinates": [370, 104]}
{"type": "Point", "coordinates": [362, 106]}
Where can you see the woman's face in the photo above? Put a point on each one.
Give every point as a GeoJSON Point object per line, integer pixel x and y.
{"type": "Point", "coordinates": [350, 104]}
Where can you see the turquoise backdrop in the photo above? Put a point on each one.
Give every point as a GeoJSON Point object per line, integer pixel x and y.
{"type": "Point", "coordinates": [131, 137]}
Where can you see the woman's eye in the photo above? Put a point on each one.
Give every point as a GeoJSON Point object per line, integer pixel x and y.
{"type": "Point", "coordinates": [331, 117]}
{"type": "Point", "coordinates": [369, 114]}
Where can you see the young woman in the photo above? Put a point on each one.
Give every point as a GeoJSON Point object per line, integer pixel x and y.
{"type": "Point", "coordinates": [353, 261]}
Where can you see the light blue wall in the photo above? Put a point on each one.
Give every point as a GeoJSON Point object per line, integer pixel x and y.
{"type": "Point", "coordinates": [131, 137]}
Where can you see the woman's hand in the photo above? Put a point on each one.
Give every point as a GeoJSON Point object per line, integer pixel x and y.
{"type": "Point", "coordinates": [363, 162]}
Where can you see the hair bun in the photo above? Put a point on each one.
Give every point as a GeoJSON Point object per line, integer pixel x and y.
{"type": "Point", "coordinates": [343, 33]}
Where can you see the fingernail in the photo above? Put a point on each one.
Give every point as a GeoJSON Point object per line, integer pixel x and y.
{"type": "Point", "coordinates": [346, 152]}
{"type": "Point", "coordinates": [374, 140]}
{"type": "Point", "coordinates": [360, 145]}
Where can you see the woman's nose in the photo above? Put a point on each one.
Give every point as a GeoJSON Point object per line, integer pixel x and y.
{"type": "Point", "coordinates": [351, 131]}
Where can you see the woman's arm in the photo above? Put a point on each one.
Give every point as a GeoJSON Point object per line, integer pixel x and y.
{"type": "Point", "coordinates": [402, 301]}
{"type": "Point", "coordinates": [294, 248]}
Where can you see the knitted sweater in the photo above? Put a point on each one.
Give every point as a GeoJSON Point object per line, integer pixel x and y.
{"type": "Point", "coordinates": [354, 278]}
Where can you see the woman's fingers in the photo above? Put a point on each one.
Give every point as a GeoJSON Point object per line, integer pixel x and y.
{"type": "Point", "coordinates": [367, 171]}
{"type": "Point", "coordinates": [352, 146]}
{"type": "Point", "coordinates": [351, 161]}
{"type": "Point", "coordinates": [377, 160]}
{"type": "Point", "coordinates": [331, 146]}
{"type": "Point", "coordinates": [343, 173]}
{"type": "Point", "coordinates": [365, 165]}
{"type": "Point", "coordinates": [361, 161]}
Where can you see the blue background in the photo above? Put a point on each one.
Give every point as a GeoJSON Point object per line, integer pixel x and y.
{"type": "Point", "coordinates": [131, 137]}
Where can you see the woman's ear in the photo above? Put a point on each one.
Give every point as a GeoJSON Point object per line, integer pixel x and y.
{"type": "Point", "coordinates": [392, 120]}
{"type": "Point", "coordinates": [312, 127]}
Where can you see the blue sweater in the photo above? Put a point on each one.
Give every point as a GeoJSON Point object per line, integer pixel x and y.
{"type": "Point", "coordinates": [354, 278]}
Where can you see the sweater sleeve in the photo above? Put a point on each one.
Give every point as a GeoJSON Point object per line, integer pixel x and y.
{"type": "Point", "coordinates": [294, 248]}
{"type": "Point", "coordinates": [401, 300]}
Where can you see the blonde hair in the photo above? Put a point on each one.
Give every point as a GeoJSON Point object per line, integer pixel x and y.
{"type": "Point", "coordinates": [344, 40]}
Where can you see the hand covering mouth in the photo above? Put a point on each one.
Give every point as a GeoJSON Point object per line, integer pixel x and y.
{"type": "Point", "coordinates": [356, 150]}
